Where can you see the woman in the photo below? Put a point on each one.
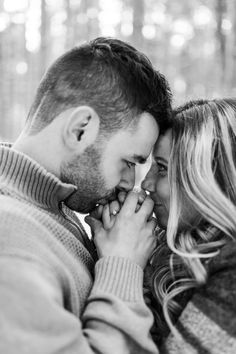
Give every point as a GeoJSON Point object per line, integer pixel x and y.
{"type": "Point", "coordinates": [192, 182]}
{"type": "Point", "coordinates": [192, 273]}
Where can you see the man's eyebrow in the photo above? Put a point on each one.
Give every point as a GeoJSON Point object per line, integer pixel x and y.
{"type": "Point", "coordinates": [140, 159]}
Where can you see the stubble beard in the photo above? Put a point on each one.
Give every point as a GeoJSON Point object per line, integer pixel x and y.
{"type": "Point", "coordinates": [83, 171]}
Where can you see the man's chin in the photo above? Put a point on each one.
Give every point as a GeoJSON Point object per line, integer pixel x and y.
{"type": "Point", "coordinates": [102, 201]}
{"type": "Point", "coordinates": [87, 207]}
{"type": "Point", "coordinates": [79, 207]}
{"type": "Point", "coordinates": [107, 199]}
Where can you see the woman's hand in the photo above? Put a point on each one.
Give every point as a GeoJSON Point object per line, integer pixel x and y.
{"type": "Point", "coordinates": [106, 213]}
{"type": "Point", "coordinates": [128, 232]}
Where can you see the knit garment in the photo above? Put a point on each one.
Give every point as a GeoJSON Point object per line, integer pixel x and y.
{"type": "Point", "coordinates": [53, 297]}
{"type": "Point", "coordinates": [207, 324]}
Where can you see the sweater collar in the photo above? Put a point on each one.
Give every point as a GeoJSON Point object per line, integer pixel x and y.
{"type": "Point", "coordinates": [24, 176]}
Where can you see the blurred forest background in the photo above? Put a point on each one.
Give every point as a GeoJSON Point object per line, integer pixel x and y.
{"type": "Point", "coordinates": [192, 42]}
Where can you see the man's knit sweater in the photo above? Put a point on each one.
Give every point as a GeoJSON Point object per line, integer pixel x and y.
{"type": "Point", "coordinates": [53, 298]}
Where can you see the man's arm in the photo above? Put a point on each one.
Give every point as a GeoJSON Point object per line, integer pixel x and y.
{"type": "Point", "coordinates": [33, 318]}
{"type": "Point", "coordinates": [35, 298]}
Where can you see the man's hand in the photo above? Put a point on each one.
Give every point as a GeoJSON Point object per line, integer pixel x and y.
{"type": "Point", "coordinates": [130, 233]}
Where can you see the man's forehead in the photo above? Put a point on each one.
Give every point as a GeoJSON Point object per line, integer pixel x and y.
{"type": "Point", "coordinates": [137, 143]}
{"type": "Point", "coordinates": [139, 150]}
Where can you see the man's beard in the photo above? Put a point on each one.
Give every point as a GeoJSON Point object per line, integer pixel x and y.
{"type": "Point", "coordinates": [83, 171]}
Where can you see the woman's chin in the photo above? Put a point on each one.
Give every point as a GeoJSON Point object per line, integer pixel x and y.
{"type": "Point", "coordinates": [161, 216]}
{"type": "Point", "coordinates": [161, 224]}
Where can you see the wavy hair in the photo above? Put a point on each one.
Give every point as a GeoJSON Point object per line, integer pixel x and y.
{"type": "Point", "coordinates": [202, 170]}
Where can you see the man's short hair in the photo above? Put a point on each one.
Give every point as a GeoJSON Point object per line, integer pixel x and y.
{"type": "Point", "coordinates": [107, 74]}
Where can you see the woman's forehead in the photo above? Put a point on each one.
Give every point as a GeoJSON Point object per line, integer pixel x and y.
{"type": "Point", "coordinates": [163, 144]}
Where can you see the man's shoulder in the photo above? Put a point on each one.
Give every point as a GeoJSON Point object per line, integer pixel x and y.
{"type": "Point", "coordinates": [10, 203]}
{"type": "Point", "coordinates": [17, 213]}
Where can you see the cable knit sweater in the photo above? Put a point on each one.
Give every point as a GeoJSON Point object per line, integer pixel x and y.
{"type": "Point", "coordinates": [53, 298]}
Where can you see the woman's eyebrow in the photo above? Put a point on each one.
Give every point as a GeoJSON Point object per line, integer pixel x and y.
{"type": "Point", "coordinates": [162, 159]}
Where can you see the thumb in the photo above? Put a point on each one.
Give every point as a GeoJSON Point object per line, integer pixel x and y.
{"type": "Point", "coordinates": [94, 224]}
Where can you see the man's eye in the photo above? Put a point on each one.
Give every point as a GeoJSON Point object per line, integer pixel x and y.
{"type": "Point", "coordinates": [130, 164]}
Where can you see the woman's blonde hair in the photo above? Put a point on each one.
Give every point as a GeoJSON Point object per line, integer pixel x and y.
{"type": "Point", "coordinates": [202, 170]}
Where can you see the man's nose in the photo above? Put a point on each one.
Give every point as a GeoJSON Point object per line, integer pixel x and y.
{"type": "Point", "coordinates": [127, 180]}
{"type": "Point", "coordinates": [148, 183]}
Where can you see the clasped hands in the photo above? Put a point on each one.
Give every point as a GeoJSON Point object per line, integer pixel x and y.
{"type": "Point", "coordinates": [125, 227]}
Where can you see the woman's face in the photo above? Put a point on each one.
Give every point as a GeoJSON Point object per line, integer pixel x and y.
{"type": "Point", "coordinates": [156, 182]}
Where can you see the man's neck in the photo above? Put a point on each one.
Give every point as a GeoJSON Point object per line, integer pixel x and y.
{"type": "Point", "coordinates": [39, 148]}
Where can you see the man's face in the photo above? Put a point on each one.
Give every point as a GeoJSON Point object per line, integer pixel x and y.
{"type": "Point", "coordinates": [109, 165]}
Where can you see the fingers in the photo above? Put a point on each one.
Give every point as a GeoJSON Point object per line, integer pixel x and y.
{"type": "Point", "coordinates": [152, 223]}
{"type": "Point", "coordinates": [109, 213]}
{"type": "Point", "coordinates": [152, 239]}
{"type": "Point", "coordinates": [97, 212]}
{"type": "Point", "coordinates": [106, 217]}
{"type": "Point", "coordinates": [146, 208]}
{"type": "Point", "coordinates": [122, 196]}
{"type": "Point", "coordinates": [130, 203]}
{"type": "Point", "coordinates": [114, 207]}
{"type": "Point", "coordinates": [106, 213]}
{"type": "Point", "coordinates": [141, 195]}
{"type": "Point", "coordinates": [94, 224]}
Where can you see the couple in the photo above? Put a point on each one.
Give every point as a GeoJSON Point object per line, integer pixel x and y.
{"type": "Point", "coordinates": [99, 111]}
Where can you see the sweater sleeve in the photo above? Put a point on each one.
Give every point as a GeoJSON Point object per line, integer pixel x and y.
{"type": "Point", "coordinates": [33, 317]}
{"type": "Point", "coordinates": [208, 323]}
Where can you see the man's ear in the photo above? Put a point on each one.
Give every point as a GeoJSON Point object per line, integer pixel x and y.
{"type": "Point", "coordinates": [81, 128]}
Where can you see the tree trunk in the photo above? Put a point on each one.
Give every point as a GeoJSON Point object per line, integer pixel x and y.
{"type": "Point", "coordinates": [138, 18]}
{"type": "Point", "coordinates": [44, 31]}
{"type": "Point", "coordinates": [221, 39]}
{"type": "Point", "coordinates": [232, 54]}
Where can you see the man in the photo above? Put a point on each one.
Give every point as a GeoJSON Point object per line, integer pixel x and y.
{"type": "Point", "coordinates": [97, 112]}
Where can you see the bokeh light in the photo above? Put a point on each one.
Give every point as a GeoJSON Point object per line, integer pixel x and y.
{"type": "Point", "coordinates": [177, 41]}
{"type": "Point", "coordinates": [32, 26]}
{"type": "Point", "coordinates": [149, 31]}
{"type": "Point", "coordinates": [21, 68]}
{"type": "Point", "coordinates": [127, 29]}
{"type": "Point", "coordinates": [4, 21]}
{"type": "Point", "coordinates": [15, 5]}
{"type": "Point", "coordinates": [202, 16]}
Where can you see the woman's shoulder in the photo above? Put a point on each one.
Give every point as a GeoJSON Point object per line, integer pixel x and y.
{"type": "Point", "coordinates": [226, 259]}
{"type": "Point", "coordinates": [217, 297]}
{"type": "Point", "coordinates": [221, 283]}
{"type": "Point", "coordinates": [208, 322]}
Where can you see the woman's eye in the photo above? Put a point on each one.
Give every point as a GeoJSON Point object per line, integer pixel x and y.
{"type": "Point", "coordinates": [161, 168]}
{"type": "Point", "coordinates": [130, 164]}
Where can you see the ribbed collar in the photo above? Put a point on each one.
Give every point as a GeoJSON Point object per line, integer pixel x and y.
{"type": "Point", "coordinates": [24, 176]}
